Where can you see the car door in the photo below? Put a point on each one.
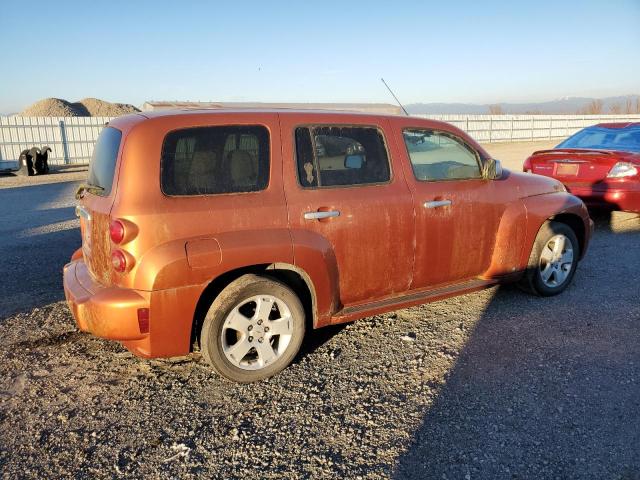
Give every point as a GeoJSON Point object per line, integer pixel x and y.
{"type": "Point", "coordinates": [457, 212]}
{"type": "Point", "coordinates": [343, 191]}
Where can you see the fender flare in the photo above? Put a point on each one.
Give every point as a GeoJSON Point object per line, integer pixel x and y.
{"type": "Point", "coordinates": [541, 208]}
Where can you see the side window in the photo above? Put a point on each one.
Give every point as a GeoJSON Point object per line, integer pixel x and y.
{"type": "Point", "coordinates": [329, 156]}
{"type": "Point", "coordinates": [440, 156]}
{"type": "Point", "coordinates": [212, 160]}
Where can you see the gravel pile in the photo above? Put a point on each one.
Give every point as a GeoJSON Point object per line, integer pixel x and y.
{"type": "Point", "coordinates": [88, 107]}
{"type": "Point", "coordinates": [495, 384]}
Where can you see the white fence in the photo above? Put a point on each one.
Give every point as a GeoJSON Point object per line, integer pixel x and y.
{"type": "Point", "coordinates": [72, 138]}
{"type": "Point", "coordinates": [523, 128]}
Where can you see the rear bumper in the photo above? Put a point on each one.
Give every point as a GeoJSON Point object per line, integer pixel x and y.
{"type": "Point", "coordinates": [612, 198]}
{"type": "Point", "coordinates": [106, 312]}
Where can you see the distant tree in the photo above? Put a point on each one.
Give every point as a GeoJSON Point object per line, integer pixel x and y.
{"type": "Point", "coordinates": [592, 108]}
{"type": "Point", "coordinates": [637, 105]}
{"type": "Point", "coordinates": [628, 105]}
{"type": "Point", "coordinates": [495, 109]}
{"type": "Point", "coordinates": [616, 109]}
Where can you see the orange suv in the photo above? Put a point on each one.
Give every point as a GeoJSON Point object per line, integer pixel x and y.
{"type": "Point", "coordinates": [236, 231]}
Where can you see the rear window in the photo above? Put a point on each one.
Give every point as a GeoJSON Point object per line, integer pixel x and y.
{"type": "Point", "coordinates": [103, 160]}
{"type": "Point", "coordinates": [622, 139]}
{"type": "Point", "coordinates": [215, 160]}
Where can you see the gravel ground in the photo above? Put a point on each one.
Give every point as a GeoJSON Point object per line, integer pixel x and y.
{"type": "Point", "coordinates": [496, 384]}
{"type": "Point", "coordinates": [59, 174]}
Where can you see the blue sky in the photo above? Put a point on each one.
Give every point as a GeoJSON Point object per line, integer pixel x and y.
{"type": "Point", "coordinates": [464, 51]}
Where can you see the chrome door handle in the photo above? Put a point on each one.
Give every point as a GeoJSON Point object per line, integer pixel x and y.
{"type": "Point", "coordinates": [322, 214]}
{"type": "Point", "coordinates": [437, 203]}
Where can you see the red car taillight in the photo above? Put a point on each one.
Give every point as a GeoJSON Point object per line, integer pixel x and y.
{"type": "Point", "coordinates": [116, 231]}
{"type": "Point", "coordinates": [121, 231]}
{"type": "Point", "coordinates": [623, 169]}
{"type": "Point", "coordinates": [526, 167]}
{"type": "Point", "coordinates": [119, 261]}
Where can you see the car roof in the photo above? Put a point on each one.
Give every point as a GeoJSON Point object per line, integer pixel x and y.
{"type": "Point", "coordinates": [280, 110]}
{"type": "Point", "coordinates": [328, 116]}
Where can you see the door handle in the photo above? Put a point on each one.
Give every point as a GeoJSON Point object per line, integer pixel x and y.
{"type": "Point", "coordinates": [437, 203]}
{"type": "Point", "coordinates": [321, 214]}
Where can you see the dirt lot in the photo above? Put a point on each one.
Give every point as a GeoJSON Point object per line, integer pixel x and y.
{"type": "Point", "coordinates": [513, 154]}
{"type": "Point", "coordinates": [496, 384]}
{"type": "Point", "coordinates": [59, 174]}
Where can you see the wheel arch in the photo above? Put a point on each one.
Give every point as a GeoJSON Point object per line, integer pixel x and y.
{"type": "Point", "coordinates": [576, 224]}
{"type": "Point", "coordinates": [294, 277]}
{"type": "Point", "coordinates": [561, 207]}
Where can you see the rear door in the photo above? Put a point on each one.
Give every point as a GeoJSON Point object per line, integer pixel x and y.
{"type": "Point", "coordinates": [95, 205]}
{"type": "Point", "coordinates": [343, 189]}
{"type": "Point", "coordinates": [457, 211]}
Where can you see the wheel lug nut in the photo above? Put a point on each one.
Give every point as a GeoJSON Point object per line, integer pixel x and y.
{"type": "Point", "coordinates": [266, 329]}
{"type": "Point", "coordinates": [259, 322]}
{"type": "Point", "coordinates": [251, 339]}
{"type": "Point", "coordinates": [260, 340]}
{"type": "Point", "coordinates": [250, 327]}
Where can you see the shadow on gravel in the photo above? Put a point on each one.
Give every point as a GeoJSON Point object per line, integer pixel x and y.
{"type": "Point", "coordinates": [315, 339]}
{"type": "Point", "coordinates": [38, 234]}
{"type": "Point", "coordinates": [53, 340]}
{"type": "Point", "coordinates": [545, 387]}
{"type": "Point", "coordinates": [616, 222]}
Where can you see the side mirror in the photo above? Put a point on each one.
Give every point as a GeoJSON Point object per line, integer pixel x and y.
{"type": "Point", "coordinates": [492, 169]}
{"type": "Point", "coordinates": [353, 161]}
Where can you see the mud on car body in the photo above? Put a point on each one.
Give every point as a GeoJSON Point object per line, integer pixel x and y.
{"type": "Point", "coordinates": [237, 231]}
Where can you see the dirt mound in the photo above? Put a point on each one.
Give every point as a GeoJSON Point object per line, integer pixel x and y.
{"type": "Point", "coordinates": [88, 107]}
{"type": "Point", "coordinates": [100, 108]}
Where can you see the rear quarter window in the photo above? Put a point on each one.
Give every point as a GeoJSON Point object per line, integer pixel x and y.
{"type": "Point", "coordinates": [103, 161]}
{"type": "Point", "coordinates": [215, 160]}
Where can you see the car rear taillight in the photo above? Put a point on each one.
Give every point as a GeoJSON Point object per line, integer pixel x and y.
{"type": "Point", "coordinates": [526, 167]}
{"type": "Point", "coordinates": [116, 231]}
{"type": "Point", "coordinates": [119, 261]}
{"type": "Point", "coordinates": [623, 169]}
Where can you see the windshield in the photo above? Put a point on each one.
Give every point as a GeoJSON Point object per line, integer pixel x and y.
{"type": "Point", "coordinates": [103, 161]}
{"type": "Point", "coordinates": [622, 139]}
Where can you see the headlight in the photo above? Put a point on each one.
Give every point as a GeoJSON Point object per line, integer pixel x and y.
{"type": "Point", "coordinates": [623, 169]}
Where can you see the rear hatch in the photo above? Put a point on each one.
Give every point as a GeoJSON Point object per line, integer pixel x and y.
{"type": "Point", "coordinates": [96, 200]}
{"type": "Point", "coordinates": [575, 166]}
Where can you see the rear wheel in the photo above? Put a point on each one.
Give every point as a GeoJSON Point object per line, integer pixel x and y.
{"type": "Point", "coordinates": [553, 260]}
{"type": "Point", "coordinates": [253, 329]}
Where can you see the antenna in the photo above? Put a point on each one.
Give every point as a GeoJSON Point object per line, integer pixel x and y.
{"type": "Point", "coordinates": [394, 96]}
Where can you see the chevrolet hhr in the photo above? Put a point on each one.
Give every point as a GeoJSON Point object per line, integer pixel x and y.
{"type": "Point", "coordinates": [235, 231]}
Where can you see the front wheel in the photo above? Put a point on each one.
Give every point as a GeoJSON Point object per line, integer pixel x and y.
{"type": "Point", "coordinates": [253, 329]}
{"type": "Point", "coordinates": [553, 260]}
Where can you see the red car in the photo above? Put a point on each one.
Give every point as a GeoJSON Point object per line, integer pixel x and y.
{"type": "Point", "coordinates": [600, 164]}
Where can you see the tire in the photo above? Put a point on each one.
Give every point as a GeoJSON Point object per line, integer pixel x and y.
{"type": "Point", "coordinates": [549, 271]}
{"type": "Point", "coordinates": [246, 316]}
